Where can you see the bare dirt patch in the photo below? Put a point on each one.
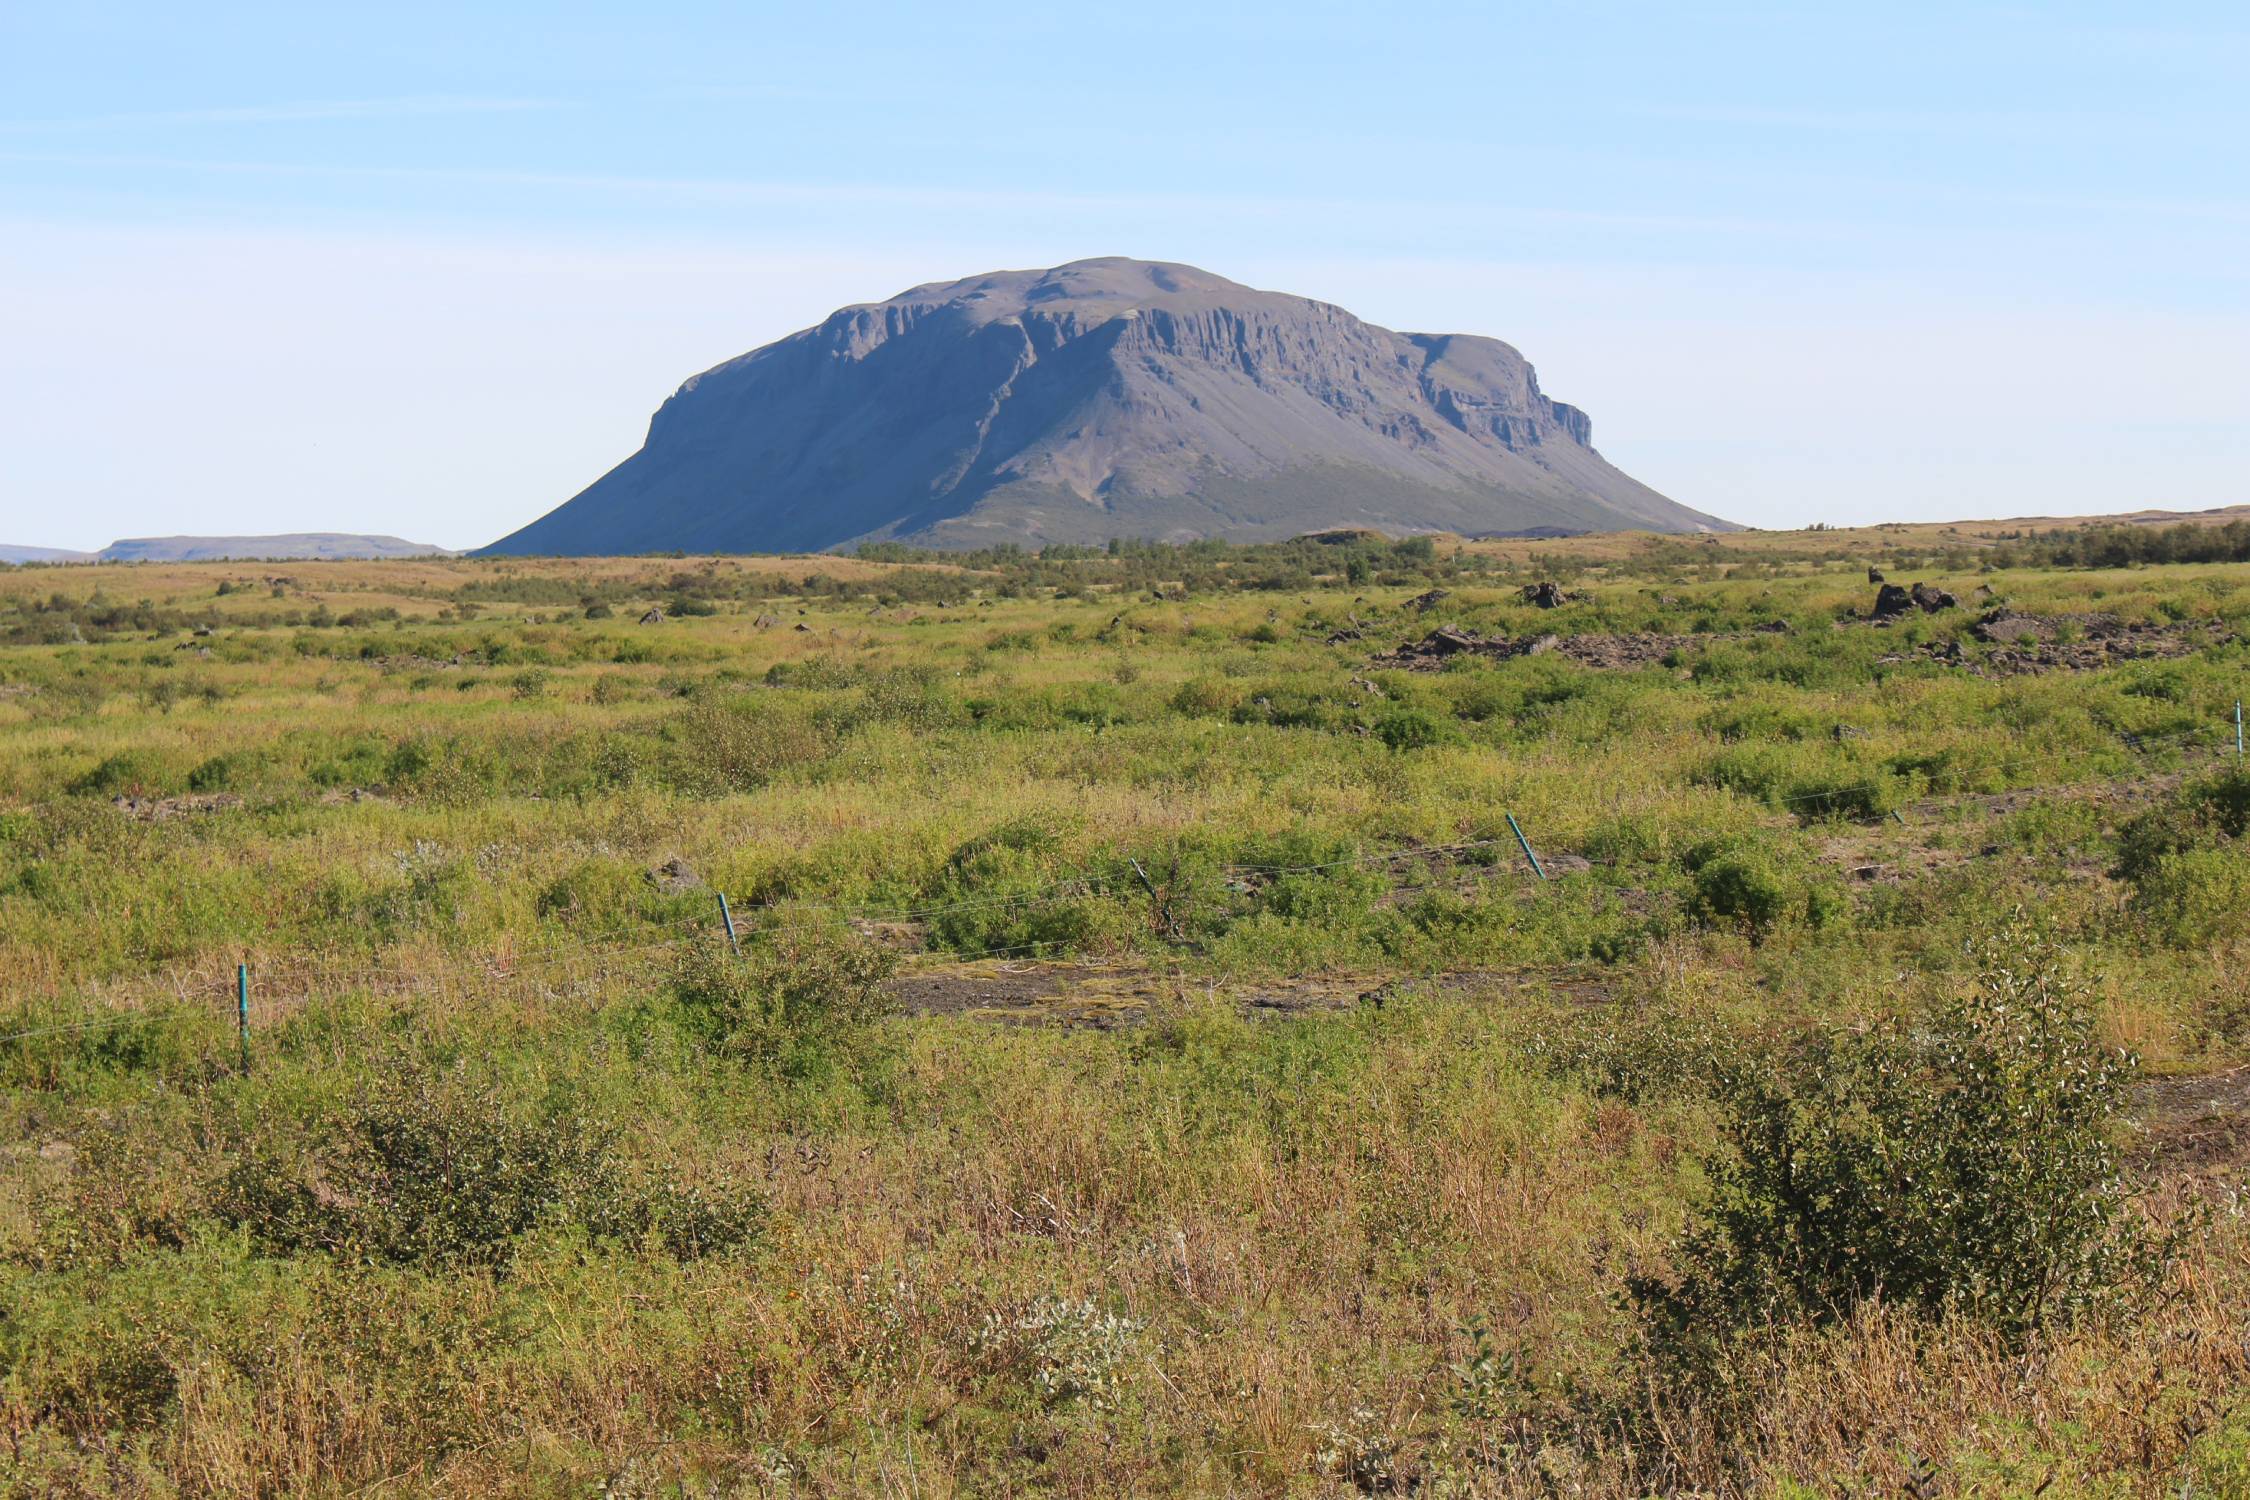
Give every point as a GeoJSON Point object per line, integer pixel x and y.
{"type": "Point", "coordinates": [1615, 652]}
{"type": "Point", "coordinates": [157, 809]}
{"type": "Point", "coordinates": [1105, 997]}
{"type": "Point", "coordinates": [2199, 1124]}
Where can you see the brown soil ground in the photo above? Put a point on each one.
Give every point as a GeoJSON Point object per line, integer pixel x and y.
{"type": "Point", "coordinates": [2200, 1124]}
{"type": "Point", "coordinates": [1106, 996]}
{"type": "Point", "coordinates": [2015, 645]}
{"type": "Point", "coordinates": [1612, 652]}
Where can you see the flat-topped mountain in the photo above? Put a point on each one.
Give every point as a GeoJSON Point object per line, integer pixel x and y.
{"type": "Point", "coordinates": [13, 554]}
{"type": "Point", "coordinates": [298, 546]}
{"type": "Point", "coordinates": [1104, 398]}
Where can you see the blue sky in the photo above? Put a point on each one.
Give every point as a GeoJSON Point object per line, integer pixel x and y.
{"type": "Point", "coordinates": [426, 269]}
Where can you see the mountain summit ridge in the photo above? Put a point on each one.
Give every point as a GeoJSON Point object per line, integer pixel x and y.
{"type": "Point", "coordinates": [1102, 398]}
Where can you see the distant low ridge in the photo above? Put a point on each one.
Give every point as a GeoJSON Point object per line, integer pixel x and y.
{"type": "Point", "coordinates": [10, 554]}
{"type": "Point", "coordinates": [299, 546]}
{"type": "Point", "coordinates": [1104, 398]}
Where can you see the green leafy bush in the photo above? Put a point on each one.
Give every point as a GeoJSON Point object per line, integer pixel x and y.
{"type": "Point", "coordinates": [1746, 883]}
{"type": "Point", "coordinates": [1205, 697]}
{"type": "Point", "coordinates": [129, 773]}
{"type": "Point", "coordinates": [437, 1167]}
{"type": "Point", "coordinates": [1961, 1164]}
{"type": "Point", "coordinates": [1007, 890]}
{"type": "Point", "coordinates": [804, 1004]}
{"type": "Point", "coordinates": [2200, 814]}
{"type": "Point", "coordinates": [2196, 896]}
{"type": "Point", "coordinates": [611, 896]}
{"type": "Point", "coordinates": [717, 748]}
{"type": "Point", "coordinates": [1065, 1352]}
{"type": "Point", "coordinates": [1410, 729]}
{"type": "Point", "coordinates": [1803, 780]}
{"type": "Point", "coordinates": [2186, 861]}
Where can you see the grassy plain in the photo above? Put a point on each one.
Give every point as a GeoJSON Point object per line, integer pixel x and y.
{"type": "Point", "coordinates": [533, 1187]}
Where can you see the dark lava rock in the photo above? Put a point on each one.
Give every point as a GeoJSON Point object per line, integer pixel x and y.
{"type": "Point", "coordinates": [1545, 595]}
{"type": "Point", "coordinates": [676, 877]}
{"type": "Point", "coordinates": [1422, 604]}
{"type": "Point", "coordinates": [1933, 599]}
{"type": "Point", "coordinates": [1874, 575]}
{"type": "Point", "coordinates": [1891, 601]}
{"type": "Point", "coordinates": [653, 617]}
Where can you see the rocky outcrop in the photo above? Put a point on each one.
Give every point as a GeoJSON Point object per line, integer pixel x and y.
{"type": "Point", "coordinates": [1105, 398]}
{"type": "Point", "coordinates": [1892, 601]}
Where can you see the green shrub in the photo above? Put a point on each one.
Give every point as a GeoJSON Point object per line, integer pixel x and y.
{"type": "Point", "coordinates": [217, 773]}
{"type": "Point", "coordinates": [719, 748]}
{"type": "Point", "coordinates": [129, 773]}
{"type": "Point", "coordinates": [1005, 891]}
{"type": "Point", "coordinates": [1959, 1164]}
{"type": "Point", "coordinates": [2200, 814]}
{"type": "Point", "coordinates": [450, 772]}
{"type": "Point", "coordinates": [2196, 896]}
{"type": "Point", "coordinates": [1745, 883]}
{"type": "Point", "coordinates": [611, 896]}
{"type": "Point", "coordinates": [441, 1167]}
{"type": "Point", "coordinates": [1636, 1053]}
{"type": "Point", "coordinates": [1410, 729]}
{"type": "Point", "coordinates": [2187, 863]}
{"type": "Point", "coordinates": [1064, 1352]}
{"type": "Point", "coordinates": [1802, 780]}
{"type": "Point", "coordinates": [804, 1004]}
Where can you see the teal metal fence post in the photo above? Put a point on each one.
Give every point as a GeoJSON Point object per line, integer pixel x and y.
{"type": "Point", "coordinates": [1515, 828]}
{"type": "Point", "coordinates": [2238, 729]}
{"type": "Point", "coordinates": [726, 916]}
{"type": "Point", "coordinates": [242, 1012]}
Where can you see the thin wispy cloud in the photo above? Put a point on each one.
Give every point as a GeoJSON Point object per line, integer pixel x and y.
{"type": "Point", "coordinates": [1127, 203]}
{"type": "Point", "coordinates": [292, 112]}
{"type": "Point", "coordinates": [1873, 121]}
{"type": "Point", "coordinates": [911, 195]}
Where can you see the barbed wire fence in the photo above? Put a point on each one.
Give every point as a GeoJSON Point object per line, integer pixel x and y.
{"type": "Point", "coordinates": [276, 986]}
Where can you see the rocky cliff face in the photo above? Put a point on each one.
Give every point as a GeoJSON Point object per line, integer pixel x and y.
{"type": "Point", "coordinates": [1103, 398]}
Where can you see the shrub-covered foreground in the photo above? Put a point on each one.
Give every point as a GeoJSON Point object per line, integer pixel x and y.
{"type": "Point", "coordinates": [1760, 1151]}
{"type": "Point", "coordinates": [1436, 1245]}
